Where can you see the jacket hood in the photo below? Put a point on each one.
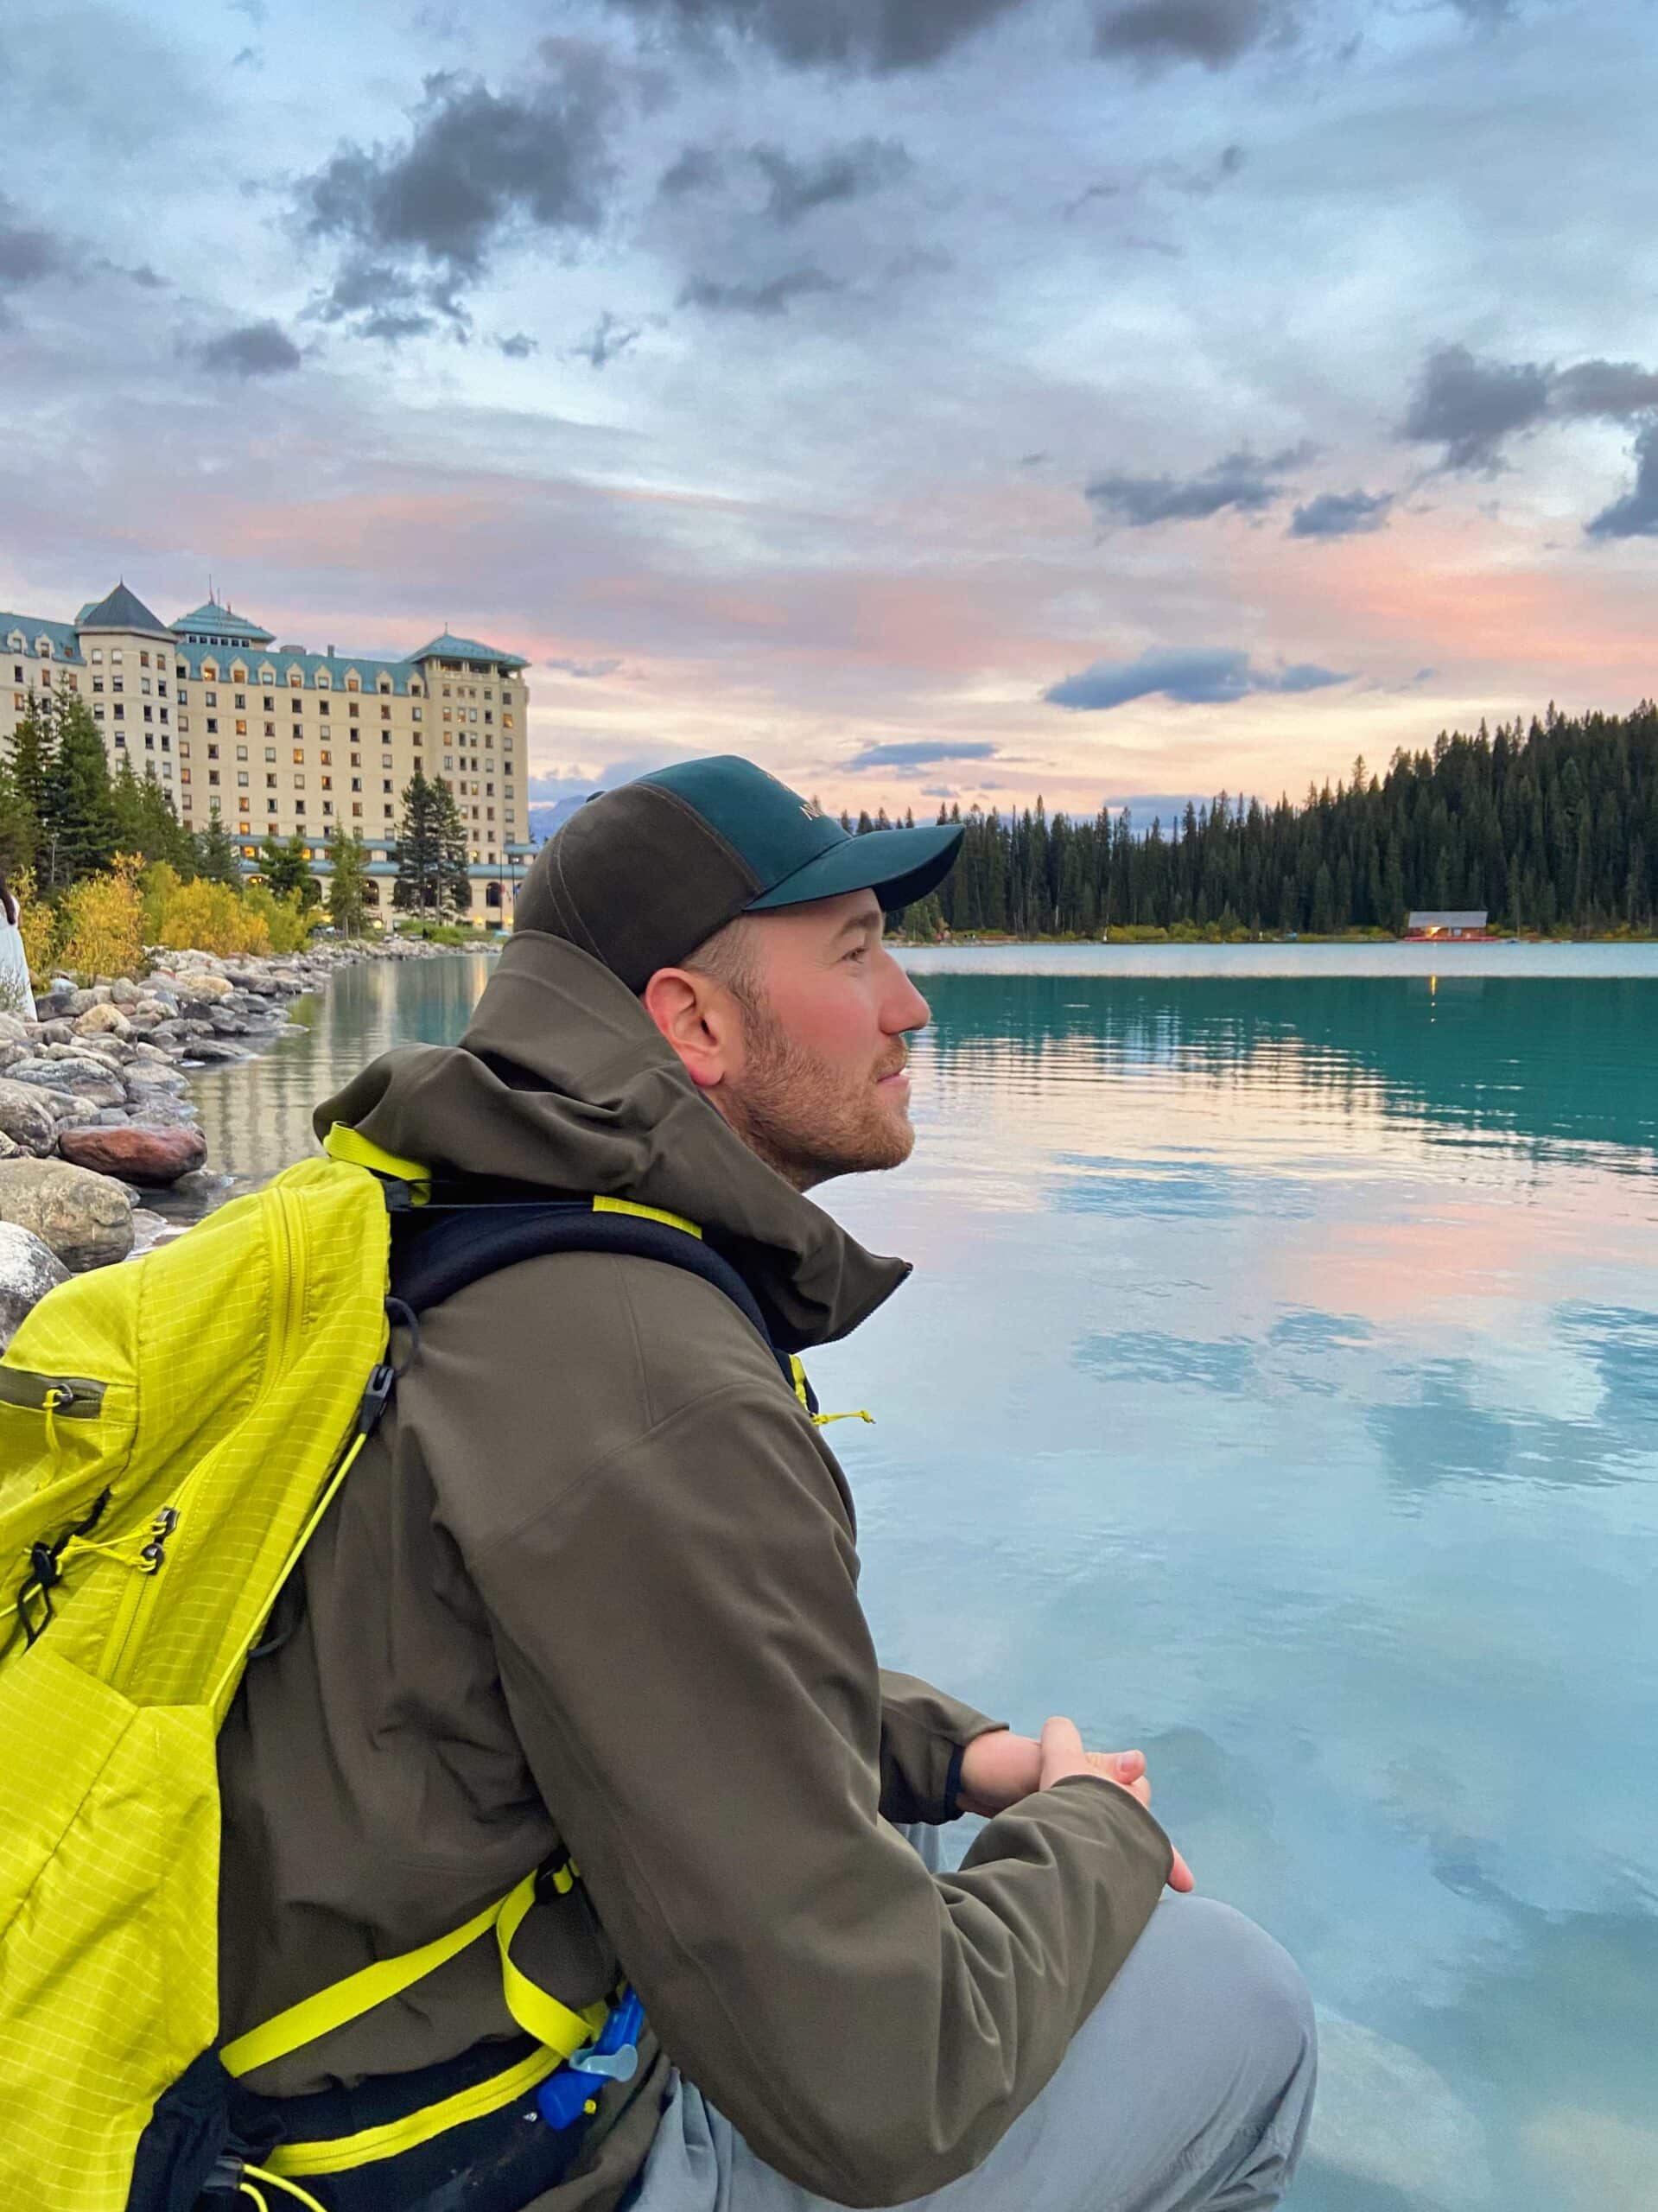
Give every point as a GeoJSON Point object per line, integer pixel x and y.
{"type": "Point", "coordinates": [562, 1080]}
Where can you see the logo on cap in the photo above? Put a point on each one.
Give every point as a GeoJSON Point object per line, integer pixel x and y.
{"type": "Point", "coordinates": [811, 809]}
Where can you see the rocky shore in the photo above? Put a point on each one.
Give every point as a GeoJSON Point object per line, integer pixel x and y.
{"type": "Point", "coordinates": [95, 1109]}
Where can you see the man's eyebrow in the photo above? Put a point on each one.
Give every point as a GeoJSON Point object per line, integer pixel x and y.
{"type": "Point", "coordinates": [859, 924]}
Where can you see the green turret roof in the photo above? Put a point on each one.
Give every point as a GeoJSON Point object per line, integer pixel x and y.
{"type": "Point", "coordinates": [218, 621]}
{"type": "Point", "coordinates": [446, 646]}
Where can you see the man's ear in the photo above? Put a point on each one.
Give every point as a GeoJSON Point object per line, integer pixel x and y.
{"type": "Point", "coordinates": [699, 1018]}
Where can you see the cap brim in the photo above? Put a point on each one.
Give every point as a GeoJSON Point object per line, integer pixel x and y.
{"type": "Point", "coordinates": [900, 866]}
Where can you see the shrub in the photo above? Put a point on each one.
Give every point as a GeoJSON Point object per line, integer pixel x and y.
{"type": "Point", "coordinates": [212, 918]}
{"type": "Point", "coordinates": [287, 924]}
{"type": "Point", "coordinates": [38, 923]}
{"type": "Point", "coordinates": [103, 921]}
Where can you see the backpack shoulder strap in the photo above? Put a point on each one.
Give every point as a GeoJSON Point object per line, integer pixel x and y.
{"type": "Point", "coordinates": [432, 1259]}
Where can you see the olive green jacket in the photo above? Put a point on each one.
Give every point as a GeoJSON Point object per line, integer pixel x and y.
{"type": "Point", "coordinates": [595, 1585]}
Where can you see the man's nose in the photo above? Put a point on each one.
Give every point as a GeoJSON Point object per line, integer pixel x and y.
{"type": "Point", "coordinates": [909, 1010]}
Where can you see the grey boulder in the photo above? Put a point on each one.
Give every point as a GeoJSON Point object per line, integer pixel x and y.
{"type": "Point", "coordinates": [29, 1269]}
{"type": "Point", "coordinates": [86, 1219]}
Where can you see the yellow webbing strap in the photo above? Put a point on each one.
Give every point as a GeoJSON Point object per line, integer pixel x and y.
{"type": "Point", "coordinates": [820, 1420]}
{"type": "Point", "coordinates": [538, 2014]}
{"type": "Point", "coordinates": [646, 1213]}
{"type": "Point", "coordinates": [343, 1142]}
{"type": "Point", "coordinates": [340, 2154]}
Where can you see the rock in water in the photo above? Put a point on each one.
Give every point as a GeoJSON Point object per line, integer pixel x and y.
{"type": "Point", "coordinates": [28, 1270]}
{"type": "Point", "coordinates": [85, 1218]}
{"type": "Point", "coordinates": [138, 1154]}
{"type": "Point", "coordinates": [25, 1116]}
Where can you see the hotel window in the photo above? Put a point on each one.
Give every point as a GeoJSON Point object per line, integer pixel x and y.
{"type": "Point", "coordinates": [210, 699]}
{"type": "Point", "coordinates": [98, 684]}
{"type": "Point", "coordinates": [167, 743]}
{"type": "Point", "coordinates": [385, 759]}
{"type": "Point", "coordinates": [149, 713]}
{"type": "Point", "coordinates": [270, 785]}
{"type": "Point", "coordinates": [241, 726]}
{"type": "Point", "coordinates": [449, 760]}
{"type": "Point", "coordinates": [115, 656]}
{"type": "Point", "coordinates": [506, 722]}
{"type": "Point", "coordinates": [270, 702]}
{"type": "Point", "coordinates": [322, 706]}
{"type": "Point", "coordinates": [212, 775]}
{"type": "Point", "coordinates": [270, 730]}
{"type": "Point", "coordinates": [241, 698]}
{"type": "Point", "coordinates": [212, 722]}
{"type": "Point", "coordinates": [356, 783]}
{"type": "Point", "coordinates": [299, 806]}
{"type": "Point", "coordinates": [489, 813]}
{"type": "Point", "coordinates": [294, 679]}
{"type": "Point", "coordinates": [385, 783]}
{"type": "Point", "coordinates": [241, 776]}
{"type": "Point", "coordinates": [352, 683]}
{"type": "Point", "coordinates": [327, 783]}
{"type": "Point", "coordinates": [416, 712]}
{"type": "Point", "coordinates": [356, 759]}
{"type": "Point", "coordinates": [489, 790]}
{"type": "Point", "coordinates": [385, 714]}
{"type": "Point", "coordinates": [144, 660]}
{"type": "Point", "coordinates": [241, 753]}
{"type": "Point", "coordinates": [160, 687]}
{"type": "Point", "coordinates": [184, 775]}
{"type": "Point", "coordinates": [270, 806]}
{"type": "Point", "coordinates": [213, 750]}
{"type": "Point", "coordinates": [299, 753]}
{"type": "Point", "coordinates": [448, 714]}
{"type": "Point", "coordinates": [116, 683]}
{"type": "Point", "coordinates": [328, 806]}
{"type": "Point", "coordinates": [353, 711]}
{"type": "Point", "coordinates": [356, 806]}
{"type": "Point", "coordinates": [163, 715]}
{"type": "Point", "coordinates": [120, 712]}
{"type": "Point", "coordinates": [97, 655]}
{"type": "Point", "coordinates": [327, 758]}
{"type": "Point", "coordinates": [271, 750]}
{"type": "Point", "coordinates": [143, 685]}
{"type": "Point", "coordinates": [185, 750]}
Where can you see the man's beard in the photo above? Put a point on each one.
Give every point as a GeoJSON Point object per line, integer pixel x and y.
{"type": "Point", "coordinates": [806, 1118]}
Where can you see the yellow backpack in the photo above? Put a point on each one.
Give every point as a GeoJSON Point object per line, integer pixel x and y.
{"type": "Point", "coordinates": [171, 1433]}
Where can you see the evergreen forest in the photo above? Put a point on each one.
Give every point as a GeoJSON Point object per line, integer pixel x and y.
{"type": "Point", "coordinates": [1552, 827]}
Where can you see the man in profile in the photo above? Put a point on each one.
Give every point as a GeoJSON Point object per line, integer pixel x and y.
{"type": "Point", "coordinates": [592, 1590]}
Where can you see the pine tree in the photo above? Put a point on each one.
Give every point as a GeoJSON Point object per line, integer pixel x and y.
{"type": "Point", "coordinates": [216, 857]}
{"type": "Point", "coordinates": [286, 868]}
{"type": "Point", "coordinates": [77, 813]}
{"type": "Point", "coordinates": [348, 885]}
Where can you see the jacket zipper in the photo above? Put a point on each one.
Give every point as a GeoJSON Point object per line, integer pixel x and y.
{"type": "Point", "coordinates": [73, 1397]}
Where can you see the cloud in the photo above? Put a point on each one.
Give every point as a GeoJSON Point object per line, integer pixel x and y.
{"type": "Point", "coordinates": [874, 35]}
{"type": "Point", "coordinates": [1242, 480]}
{"type": "Point", "coordinates": [1635, 515]}
{"type": "Point", "coordinates": [768, 299]}
{"type": "Point", "coordinates": [1204, 676]}
{"type": "Point", "coordinates": [918, 753]}
{"type": "Point", "coordinates": [256, 349]}
{"type": "Point", "coordinates": [1341, 514]}
{"type": "Point", "coordinates": [419, 221]}
{"type": "Point", "coordinates": [609, 338]}
{"type": "Point", "coordinates": [250, 57]}
{"type": "Point", "coordinates": [1616, 389]}
{"type": "Point", "coordinates": [27, 252]}
{"type": "Point", "coordinates": [518, 346]}
{"type": "Point", "coordinates": [1470, 406]}
{"type": "Point", "coordinates": [583, 668]}
{"type": "Point", "coordinates": [1157, 34]}
{"type": "Point", "coordinates": [844, 173]}
{"type": "Point", "coordinates": [697, 169]}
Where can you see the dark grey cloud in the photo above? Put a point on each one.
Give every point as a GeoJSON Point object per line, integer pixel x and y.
{"type": "Point", "coordinates": [606, 342]}
{"type": "Point", "coordinates": [1156, 33]}
{"type": "Point", "coordinates": [1246, 480]}
{"type": "Point", "coordinates": [874, 35]}
{"type": "Point", "coordinates": [255, 349]}
{"type": "Point", "coordinates": [588, 668]}
{"type": "Point", "coordinates": [1341, 514]}
{"type": "Point", "coordinates": [1635, 515]}
{"type": "Point", "coordinates": [844, 173]}
{"type": "Point", "coordinates": [145, 277]}
{"type": "Point", "coordinates": [698, 168]}
{"type": "Point", "coordinates": [29, 252]}
{"type": "Point", "coordinates": [773, 297]}
{"type": "Point", "coordinates": [518, 346]}
{"type": "Point", "coordinates": [1201, 676]}
{"type": "Point", "coordinates": [250, 57]}
{"type": "Point", "coordinates": [1470, 406]}
{"type": "Point", "coordinates": [419, 220]}
{"type": "Point", "coordinates": [920, 752]}
{"type": "Point", "coordinates": [1616, 389]}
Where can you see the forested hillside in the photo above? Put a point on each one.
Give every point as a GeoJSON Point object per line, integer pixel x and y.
{"type": "Point", "coordinates": [1553, 828]}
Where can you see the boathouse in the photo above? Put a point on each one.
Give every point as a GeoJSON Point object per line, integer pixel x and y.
{"type": "Point", "coordinates": [1427, 923]}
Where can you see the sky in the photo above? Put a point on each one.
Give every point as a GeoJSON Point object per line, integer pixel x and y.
{"type": "Point", "coordinates": [1112, 400]}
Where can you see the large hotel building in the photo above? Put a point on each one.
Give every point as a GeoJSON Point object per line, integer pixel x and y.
{"type": "Point", "coordinates": [278, 741]}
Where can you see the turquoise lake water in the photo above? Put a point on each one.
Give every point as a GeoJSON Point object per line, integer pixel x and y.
{"type": "Point", "coordinates": [1278, 1391]}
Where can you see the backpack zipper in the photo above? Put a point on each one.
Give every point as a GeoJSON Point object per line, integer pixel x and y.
{"type": "Point", "coordinates": [65, 1397]}
{"type": "Point", "coordinates": [142, 1591]}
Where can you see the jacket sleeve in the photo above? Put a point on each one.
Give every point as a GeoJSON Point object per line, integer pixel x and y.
{"type": "Point", "coordinates": [923, 1735]}
{"type": "Point", "coordinates": [691, 1675]}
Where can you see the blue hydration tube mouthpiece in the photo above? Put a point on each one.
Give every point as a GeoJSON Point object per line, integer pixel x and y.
{"type": "Point", "coordinates": [612, 2056]}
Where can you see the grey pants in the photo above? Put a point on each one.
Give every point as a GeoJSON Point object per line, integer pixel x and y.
{"type": "Point", "coordinates": [1189, 2087]}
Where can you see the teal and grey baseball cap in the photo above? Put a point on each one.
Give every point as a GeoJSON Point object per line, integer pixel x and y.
{"type": "Point", "coordinates": [639, 876]}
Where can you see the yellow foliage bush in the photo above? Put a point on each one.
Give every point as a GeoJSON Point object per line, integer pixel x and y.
{"type": "Point", "coordinates": [284, 919]}
{"type": "Point", "coordinates": [103, 922]}
{"type": "Point", "coordinates": [37, 923]}
{"type": "Point", "coordinates": [211, 917]}
{"type": "Point", "coordinates": [159, 883]}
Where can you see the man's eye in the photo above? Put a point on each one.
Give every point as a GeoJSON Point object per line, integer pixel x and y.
{"type": "Point", "coordinates": [859, 952]}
